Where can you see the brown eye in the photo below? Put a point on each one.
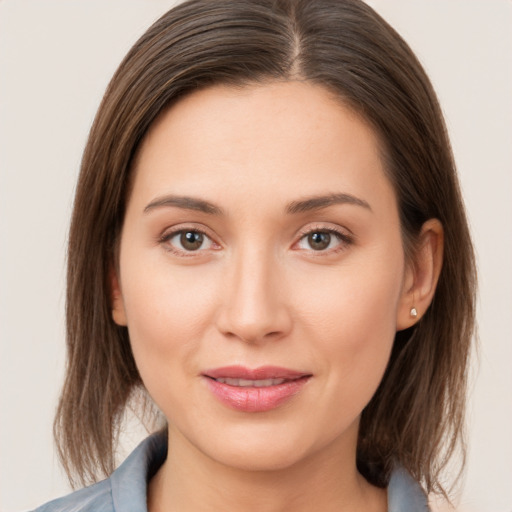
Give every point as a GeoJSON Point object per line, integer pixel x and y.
{"type": "Point", "coordinates": [318, 240]}
{"type": "Point", "coordinates": [324, 241]}
{"type": "Point", "coordinates": [191, 240]}
{"type": "Point", "coordinates": [185, 242]}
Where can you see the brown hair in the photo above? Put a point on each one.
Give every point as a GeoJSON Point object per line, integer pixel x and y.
{"type": "Point", "coordinates": [416, 416]}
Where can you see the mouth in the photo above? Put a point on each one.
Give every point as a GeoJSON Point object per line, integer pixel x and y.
{"type": "Point", "coordinates": [246, 383]}
{"type": "Point", "coordinates": [255, 390]}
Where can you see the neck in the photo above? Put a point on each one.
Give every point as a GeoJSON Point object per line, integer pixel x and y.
{"type": "Point", "coordinates": [190, 481]}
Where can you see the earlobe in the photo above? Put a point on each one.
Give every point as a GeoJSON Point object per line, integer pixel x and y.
{"type": "Point", "coordinates": [422, 275]}
{"type": "Point", "coordinates": [116, 298]}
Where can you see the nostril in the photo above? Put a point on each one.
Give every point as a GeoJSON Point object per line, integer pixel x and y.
{"type": "Point", "coordinates": [250, 339]}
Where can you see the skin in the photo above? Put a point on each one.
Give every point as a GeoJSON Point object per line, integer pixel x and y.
{"type": "Point", "coordinates": [258, 292]}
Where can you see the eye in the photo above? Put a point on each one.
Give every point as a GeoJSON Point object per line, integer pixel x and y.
{"type": "Point", "coordinates": [323, 240]}
{"type": "Point", "coordinates": [187, 240]}
{"type": "Point", "coordinates": [319, 241]}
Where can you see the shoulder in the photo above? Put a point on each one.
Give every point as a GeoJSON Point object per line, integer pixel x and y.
{"type": "Point", "coordinates": [405, 494]}
{"type": "Point", "coordinates": [126, 488]}
{"type": "Point", "coordinates": [97, 498]}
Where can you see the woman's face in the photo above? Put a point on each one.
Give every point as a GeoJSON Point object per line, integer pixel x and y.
{"type": "Point", "coordinates": [262, 274]}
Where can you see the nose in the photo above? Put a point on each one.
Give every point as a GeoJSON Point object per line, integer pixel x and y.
{"type": "Point", "coordinates": [255, 308]}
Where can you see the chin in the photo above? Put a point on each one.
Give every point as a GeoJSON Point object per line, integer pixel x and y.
{"type": "Point", "coordinates": [259, 457]}
{"type": "Point", "coordinates": [273, 445]}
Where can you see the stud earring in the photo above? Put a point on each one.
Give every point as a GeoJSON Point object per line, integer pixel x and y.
{"type": "Point", "coordinates": [414, 312]}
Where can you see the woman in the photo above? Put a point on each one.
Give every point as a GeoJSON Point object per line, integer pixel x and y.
{"type": "Point", "coordinates": [268, 239]}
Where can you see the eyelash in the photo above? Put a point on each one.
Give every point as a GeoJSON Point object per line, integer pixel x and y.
{"type": "Point", "coordinates": [343, 238]}
{"type": "Point", "coordinates": [165, 239]}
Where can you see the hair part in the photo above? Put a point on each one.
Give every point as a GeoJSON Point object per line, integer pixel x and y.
{"type": "Point", "coordinates": [416, 416]}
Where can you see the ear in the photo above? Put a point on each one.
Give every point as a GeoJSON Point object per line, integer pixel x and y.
{"type": "Point", "coordinates": [116, 298]}
{"type": "Point", "coordinates": [421, 275]}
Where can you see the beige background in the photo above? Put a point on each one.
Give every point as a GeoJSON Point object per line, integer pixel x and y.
{"type": "Point", "coordinates": [56, 57]}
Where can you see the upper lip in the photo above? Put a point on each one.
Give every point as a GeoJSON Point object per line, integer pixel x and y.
{"type": "Point", "coordinates": [260, 373]}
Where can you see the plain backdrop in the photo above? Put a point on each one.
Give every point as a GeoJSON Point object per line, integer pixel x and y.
{"type": "Point", "coordinates": [56, 57]}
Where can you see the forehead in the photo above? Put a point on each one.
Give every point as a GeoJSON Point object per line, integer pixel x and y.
{"type": "Point", "coordinates": [286, 138]}
{"type": "Point", "coordinates": [293, 109]}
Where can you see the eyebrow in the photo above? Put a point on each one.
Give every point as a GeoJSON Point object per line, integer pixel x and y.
{"type": "Point", "coordinates": [319, 202]}
{"type": "Point", "coordinates": [186, 202]}
{"type": "Point", "coordinates": [304, 205]}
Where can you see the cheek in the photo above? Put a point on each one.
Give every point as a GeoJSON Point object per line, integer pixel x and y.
{"type": "Point", "coordinates": [359, 298]}
{"type": "Point", "coordinates": [166, 312]}
{"type": "Point", "coordinates": [352, 315]}
{"type": "Point", "coordinates": [166, 318]}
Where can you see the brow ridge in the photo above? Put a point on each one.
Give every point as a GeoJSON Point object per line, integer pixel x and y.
{"type": "Point", "coordinates": [324, 201]}
{"type": "Point", "coordinates": [186, 202]}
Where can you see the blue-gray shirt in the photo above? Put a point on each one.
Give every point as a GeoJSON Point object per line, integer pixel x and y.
{"type": "Point", "coordinates": [125, 490]}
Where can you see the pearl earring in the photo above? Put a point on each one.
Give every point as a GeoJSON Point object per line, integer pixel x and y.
{"type": "Point", "coordinates": [414, 312]}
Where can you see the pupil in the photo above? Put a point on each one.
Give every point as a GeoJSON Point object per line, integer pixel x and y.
{"type": "Point", "coordinates": [191, 240]}
{"type": "Point", "coordinates": [319, 241]}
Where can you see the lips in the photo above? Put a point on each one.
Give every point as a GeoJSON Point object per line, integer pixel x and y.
{"type": "Point", "coordinates": [246, 383]}
{"type": "Point", "coordinates": [254, 390]}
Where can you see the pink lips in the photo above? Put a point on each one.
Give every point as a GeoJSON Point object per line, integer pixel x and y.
{"type": "Point", "coordinates": [254, 390]}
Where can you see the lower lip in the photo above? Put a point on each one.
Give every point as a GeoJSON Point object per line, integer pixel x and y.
{"type": "Point", "coordinates": [252, 399]}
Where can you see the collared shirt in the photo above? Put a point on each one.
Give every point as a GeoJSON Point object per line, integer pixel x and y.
{"type": "Point", "coordinates": [125, 490]}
